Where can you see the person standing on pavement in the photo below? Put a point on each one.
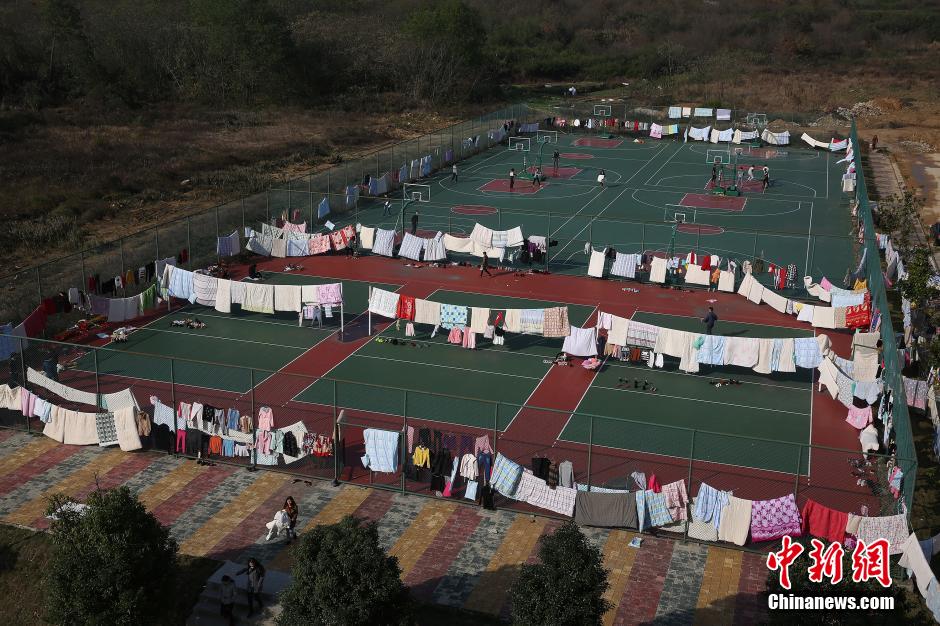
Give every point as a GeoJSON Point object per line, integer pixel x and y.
{"type": "Point", "coordinates": [709, 320]}
{"type": "Point", "coordinates": [255, 573]}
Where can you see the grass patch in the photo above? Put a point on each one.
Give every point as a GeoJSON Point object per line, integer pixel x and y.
{"type": "Point", "coordinates": [24, 555]}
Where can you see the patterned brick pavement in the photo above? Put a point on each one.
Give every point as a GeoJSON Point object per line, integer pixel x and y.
{"type": "Point", "coordinates": [449, 553]}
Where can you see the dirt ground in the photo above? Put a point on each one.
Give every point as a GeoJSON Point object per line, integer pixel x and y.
{"type": "Point", "coordinates": [69, 178]}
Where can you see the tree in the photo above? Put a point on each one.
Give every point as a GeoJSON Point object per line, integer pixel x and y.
{"type": "Point", "coordinates": [898, 214]}
{"type": "Point", "coordinates": [916, 286]}
{"type": "Point", "coordinates": [342, 576]}
{"type": "Point", "coordinates": [113, 564]}
{"type": "Point", "coordinates": [566, 587]}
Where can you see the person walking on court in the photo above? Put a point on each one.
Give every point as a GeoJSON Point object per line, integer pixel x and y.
{"type": "Point", "coordinates": [601, 177]}
{"type": "Point", "coordinates": [512, 178]}
{"type": "Point", "coordinates": [709, 320]}
{"type": "Point", "coordinates": [414, 223]}
{"type": "Point", "coordinates": [537, 178]}
{"type": "Point", "coordinates": [387, 209]}
{"type": "Point", "coordinates": [765, 182]}
{"type": "Point", "coordinates": [555, 157]}
{"type": "Point", "coordinates": [750, 173]}
{"type": "Point", "coordinates": [453, 173]}
{"type": "Point", "coordinates": [485, 266]}
{"type": "Point", "coordinates": [255, 573]}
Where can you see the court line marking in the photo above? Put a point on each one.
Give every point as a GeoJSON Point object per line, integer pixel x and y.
{"type": "Point", "coordinates": [547, 372]}
{"type": "Point", "coordinates": [344, 359]}
{"type": "Point", "coordinates": [684, 459]}
{"type": "Point", "coordinates": [260, 343]}
{"type": "Point", "coordinates": [662, 395]}
{"type": "Point", "coordinates": [702, 377]}
{"type": "Point", "coordinates": [450, 367]}
{"type": "Point", "coordinates": [808, 332]}
{"type": "Point", "coordinates": [238, 394]}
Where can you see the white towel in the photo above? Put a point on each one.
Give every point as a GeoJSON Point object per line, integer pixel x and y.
{"type": "Point", "coordinates": [824, 317]}
{"type": "Point", "coordinates": [411, 247]}
{"type": "Point", "coordinates": [756, 292]}
{"type": "Point", "coordinates": [479, 319]}
{"type": "Point", "coordinates": [786, 362]}
{"type": "Point", "coordinates": [384, 303]}
{"type": "Point", "coordinates": [204, 288]}
{"type": "Point", "coordinates": [775, 300]}
{"type": "Point", "coordinates": [223, 296]}
{"type": "Point", "coordinates": [735, 521]}
{"type": "Point", "coordinates": [458, 244]}
{"type": "Point", "coordinates": [513, 321]}
{"type": "Point", "coordinates": [427, 312]}
{"type": "Point", "coordinates": [581, 342]}
{"type": "Point", "coordinates": [259, 298]}
{"type": "Point", "coordinates": [482, 235]}
{"type": "Point", "coordinates": [726, 281]}
{"type": "Point", "coordinates": [658, 270]}
{"type": "Point", "coordinates": [310, 294]}
{"type": "Point", "coordinates": [596, 266]}
{"type": "Point", "coordinates": [384, 242]}
{"type": "Point", "coordinates": [366, 237]}
{"type": "Point", "coordinates": [695, 275]}
{"type": "Point", "coordinates": [617, 334]}
{"type": "Point", "coordinates": [741, 351]}
{"type": "Point", "coordinates": [764, 356]}
{"type": "Point", "coordinates": [287, 298]}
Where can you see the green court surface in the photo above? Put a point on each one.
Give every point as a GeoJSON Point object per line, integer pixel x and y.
{"type": "Point", "coordinates": [802, 218]}
{"type": "Point", "coordinates": [505, 374]}
{"type": "Point", "coordinates": [775, 407]}
{"type": "Point", "coordinates": [243, 339]}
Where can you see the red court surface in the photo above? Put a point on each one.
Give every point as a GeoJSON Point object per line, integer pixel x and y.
{"type": "Point", "coordinates": [537, 428]}
{"type": "Point", "coordinates": [502, 184]}
{"type": "Point", "coordinates": [708, 201]}
{"type": "Point", "coordinates": [473, 209]}
{"type": "Point", "coordinates": [558, 172]}
{"type": "Point", "coordinates": [576, 156]}
{"type": "Point", "coordinates": [700, 229]}
{"type": "Point", "coordinates": [596, 142]}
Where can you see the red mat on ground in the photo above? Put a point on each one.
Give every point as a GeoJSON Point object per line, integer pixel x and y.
{"type": "Point", "coordinates": [473, 209]}
{"type": "Point", "coordinates": [708, 201]}
{"type": "Point", "coordinates": [502, 184]}
{"type": "Point", "coordinates": [561, 172]}
{"type": "Point", "coordinates": [597, 142]}
{"type": "Point", "coordinates": [700, 229]}
{"type": "Point", "coordinates": [576, 156]}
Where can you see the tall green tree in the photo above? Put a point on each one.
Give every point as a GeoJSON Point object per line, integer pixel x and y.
{"type": "Point", "coordinates": [343, 577]}
{"type": "Point", "coordinates": [445, 46]}
{"type": "Point", "coordinates": [114, 564]}
{"type": "Point", "coordinates": [566, 587]}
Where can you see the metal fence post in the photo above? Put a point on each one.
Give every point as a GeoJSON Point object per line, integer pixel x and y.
{"type": "Point", "coordinates": [691, 461]}
{"type": "Point", "coordinates": [189, 244]}
{"type": "Point", "coordinates": [267, 206]}
{"type": "Point", "coordinates": [548, 241]}
{"type": "Point", "coordinates": [642, 238]}
{"type": "Point", "coordinates": [81, 257]}
{"type": "Point", "coordinates": [156, 244]}
{"type": "Point", "coordinates": [172, 449]}
{"type": "Point", "coordinates": [243, 215]}
{"type": "Point", "coordinates": [97, 379]}
{"type": "Point", "coordinates": [799, 468]}
{"type": "Point", "coordinates": [217, 233]}
{"type": "Point", "coordinates": [590, 448]}
{"type": "Point", "coordinates": [39, 284]}
{"type": "Point", "coordinates": [22, 380]}
{"type": "Point", "coordinates": [254, 454]}
{"type": "Point", "coordinates": [404, 432]}
{"type": "Point", "coordinates": [121, 247]}
{"type": "Point", "coordinates": [495, 427]}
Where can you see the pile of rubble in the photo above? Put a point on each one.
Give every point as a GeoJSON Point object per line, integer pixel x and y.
{"type": "Point", "coordinates": [860, 110]}
{"type": "Point", "coordinates": [915, 147]}
{"type": "Point", "coordinates": [829, 121]}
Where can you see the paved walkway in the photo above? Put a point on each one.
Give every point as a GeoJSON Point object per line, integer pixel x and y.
{"type": "Point", "coordinates": [449, 553]}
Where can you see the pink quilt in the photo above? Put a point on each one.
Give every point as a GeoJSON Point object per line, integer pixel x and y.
{"type": "Point", "coordinates": [773, 519]}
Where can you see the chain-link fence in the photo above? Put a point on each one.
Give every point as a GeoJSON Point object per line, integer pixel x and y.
{"type": "Point", "coordinates": [899, 416]}
{"type": "Point", "coordinates": [328, 418]}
